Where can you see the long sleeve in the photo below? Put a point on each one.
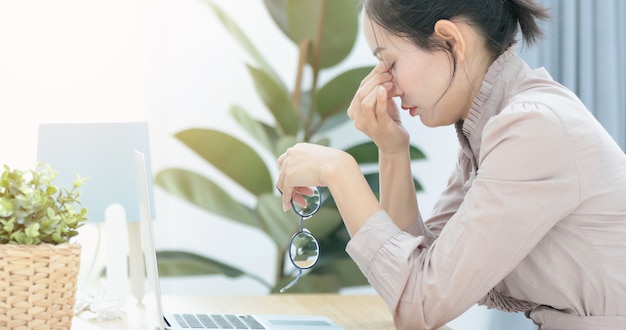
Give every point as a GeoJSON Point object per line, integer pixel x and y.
{"type": "Point", "coordinates": [527, 182]}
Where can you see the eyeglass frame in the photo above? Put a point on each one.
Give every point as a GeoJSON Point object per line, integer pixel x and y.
{"type": "Point", "coordinates": [303, 231]}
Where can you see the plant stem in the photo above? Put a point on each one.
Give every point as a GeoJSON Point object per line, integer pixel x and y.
{"type": "Point", "coordinates": [297, 90]}
{"type": "Point", "coordinates": [280, 265]}
{"type": "Point", "coordinates": [315, 62]}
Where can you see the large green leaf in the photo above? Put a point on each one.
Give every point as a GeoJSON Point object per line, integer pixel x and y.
{"type": "Point", "coordinates": [252, 126]}
{"type": "Point", "coordinates": [278, 11]}
{"type": "Point", "coordinates": [345, 269]}
{"type": "Point", "coordinates": [416, 153]}
{"type": "Point", "coordinates": [324, 222]}
{"type": "Point", "coordinates": [204, 193]}
{"type": "Point", "coordinates": [299, 20]}
{"type": "Point", "coordinates": [234, 158]}
{"type": "Point", "coordinates": [279, 225]}
{"type": "Point", "coordinates": [182, 263]}
{"type": "Point", "coordinates": [374, 181]}
{"type": "Point", "coordinates": [243, 40]}
{"type": "Point", "coordinates": [367, 153]}
{"type": "Point", "coordinates": [276, 99]}
{"type": "Point", "coordinates": [333, 122]}
{"type": "Point", "coordinates": [284, 143]}
{"type": "Point", "coordinates": [336, 95]}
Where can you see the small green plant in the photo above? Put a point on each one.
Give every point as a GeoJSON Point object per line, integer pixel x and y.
{"type": "Point", "coordinates": [35, 211]}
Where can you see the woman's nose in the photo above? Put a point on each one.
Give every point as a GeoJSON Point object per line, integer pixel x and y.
{"type": "Point", "coordinates": [395, 91]}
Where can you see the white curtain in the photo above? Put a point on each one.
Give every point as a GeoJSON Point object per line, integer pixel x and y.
{"type": "Point", "coordinates": [584, 48]}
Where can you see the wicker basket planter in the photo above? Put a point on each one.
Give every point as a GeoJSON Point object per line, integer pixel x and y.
{"type": "Point", "coordinates": [38, 285]}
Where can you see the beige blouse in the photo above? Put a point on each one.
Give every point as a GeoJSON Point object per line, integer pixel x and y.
{"type": "Point", "coordinates": [533, 219]}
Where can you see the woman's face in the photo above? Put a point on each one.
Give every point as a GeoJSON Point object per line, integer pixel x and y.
{"type": "Point", "coordinates": [422, 79]}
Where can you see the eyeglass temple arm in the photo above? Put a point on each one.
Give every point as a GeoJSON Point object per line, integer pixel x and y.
{"type": "Point", "coordinates": [292, 283]}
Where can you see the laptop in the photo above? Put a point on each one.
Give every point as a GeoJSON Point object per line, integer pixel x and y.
{"type": "Point", "coordinates": [182, 320]}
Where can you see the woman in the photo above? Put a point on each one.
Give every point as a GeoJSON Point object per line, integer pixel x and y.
{"type": "Point", "coordinates": [534, 216]}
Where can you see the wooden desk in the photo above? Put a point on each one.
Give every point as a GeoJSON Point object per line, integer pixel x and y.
{"type": "Point", "coordinates": [360, 312]}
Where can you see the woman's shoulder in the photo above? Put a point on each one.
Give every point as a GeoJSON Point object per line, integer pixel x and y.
{"type": "Point", "coordinates": [538, 87]}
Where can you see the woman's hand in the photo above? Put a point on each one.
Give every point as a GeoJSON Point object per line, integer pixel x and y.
{"type": "Point", "coordinates": [375, 113]}
{"type": "Point", "coordinates": [307, 165]}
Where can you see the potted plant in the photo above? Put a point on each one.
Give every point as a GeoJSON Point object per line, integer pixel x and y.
{"type": "Point", "coordinates": [38, 263]}
{"type": "Point", "coordinates": [324, 32]}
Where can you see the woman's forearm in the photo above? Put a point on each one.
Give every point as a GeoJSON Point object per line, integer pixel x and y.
{"type": "Point", "coordinates": [397, 191]}
{"type": "Point", "coordinates": [354, 198]}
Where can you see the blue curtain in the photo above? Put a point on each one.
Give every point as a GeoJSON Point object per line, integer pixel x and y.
{"type": "Point", "coordinates": [584, 48]}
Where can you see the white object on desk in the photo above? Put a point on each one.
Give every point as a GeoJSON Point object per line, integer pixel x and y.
{"type": "Point", "coordinates": [116, 251]}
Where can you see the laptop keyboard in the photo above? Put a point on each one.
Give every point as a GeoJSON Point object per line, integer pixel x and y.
{"type": "Point", "coordinates": [217, 321]}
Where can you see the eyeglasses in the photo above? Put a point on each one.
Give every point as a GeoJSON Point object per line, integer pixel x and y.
{"type": "Point", "coordinates": [304, 249]}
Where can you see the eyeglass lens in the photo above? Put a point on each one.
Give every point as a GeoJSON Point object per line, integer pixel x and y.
{"type": "Point", "coordinates": [313, 203]}
{"type": "Point", "coordinates": [304, 248]}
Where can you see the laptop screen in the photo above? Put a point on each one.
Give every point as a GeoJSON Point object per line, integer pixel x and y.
{"type": "Point", "coordinates": [153, 303]}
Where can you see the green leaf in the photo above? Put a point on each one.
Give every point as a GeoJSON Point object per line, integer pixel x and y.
{"type": "Point", "coordinates": [340, 28]}
{"type": "Point", "coordinates": [19, 237]}
{"type": "Point", "coordinates": [373, 179]}
{"type": "Point", "coordinates": [278, 11]}
{"type": "Point", "coordinates": [367, 153]}
{"type": "Point", "coordinates": [325, 141]}
{"type": "Point", "coordinates": [252, 126]}
{"type": "Point", "coordinates": [276, 223]}
{"type": "Point", "coordinates": [271, 132]}
{"type": "Point", "coordinates": [204, 193]}
{"type": "Point", "coordinates": [181, 263]}
{"type": "Point", "coordinates": [324, 222]}
{"type": "Point", "coordinates": [416, 153]}
{"type": "Point", "coordinates": [285, 143]}
{"type": "Point", "coordinates": [276, 99]}
{"type": "Point", "coordinates": [299, 20]}
{"type": "Point", "coordinates": [7, 226]}
{"type": "Point", "coordinates": [364, 153]}
{"type": "Point", "coordinates": [32, 230]}
{"type": "Point", "coordinates": [333, 122]}
{"type": "Point", "coordinates": [234, 158]}
{"type": "Point", "coordinates": [336, 95]}
{"type": "Point", "coordinates": [243, 40]}
{"type": "Point", "coordinates": [345, 269]}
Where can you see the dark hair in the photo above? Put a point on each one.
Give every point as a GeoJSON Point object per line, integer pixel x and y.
{"type": "Point", "coordinates": [497, 20]}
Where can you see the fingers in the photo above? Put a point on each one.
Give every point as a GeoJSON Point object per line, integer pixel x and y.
{"type": "Point", "coordinates": [382, 113]}
{"type": "Point", "coordinates": [303, 167]}
{"type": "Point", "coordinates": [285, 190]}
{"type": "Point", "coordinates": [288, 191]}
{"type": "Point", "coordinates": [380, 75]}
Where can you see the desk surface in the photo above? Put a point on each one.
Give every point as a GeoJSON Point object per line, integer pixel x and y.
{"type": "Point", "coordinates": [350, 311]}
